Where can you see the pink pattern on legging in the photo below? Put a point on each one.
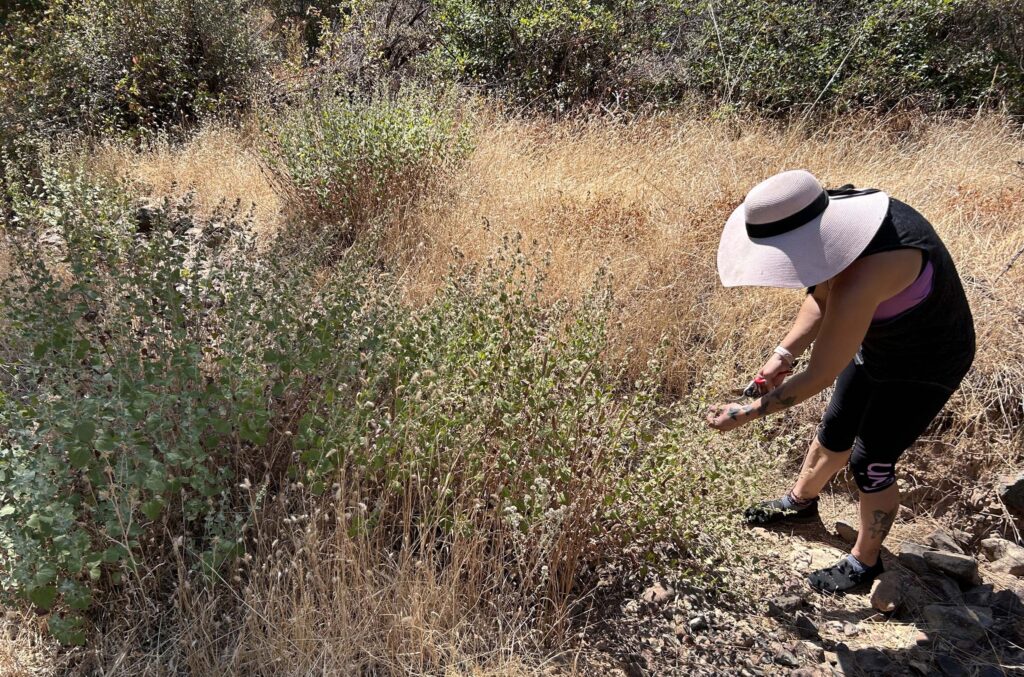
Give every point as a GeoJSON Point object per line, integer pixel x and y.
{"type": "Point", "coordinates": [908, 298]}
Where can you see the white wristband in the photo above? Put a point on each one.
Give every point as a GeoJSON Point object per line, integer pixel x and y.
{"type": "Point", "coordinates": [785, 355]}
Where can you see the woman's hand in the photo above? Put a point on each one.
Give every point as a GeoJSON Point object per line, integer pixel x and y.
{"type": "Point", "coordinates": [725, 417]}
{"type": "Point", "coordinates": [775, 371]}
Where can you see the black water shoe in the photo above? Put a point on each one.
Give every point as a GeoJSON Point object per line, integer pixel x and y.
{"type": "Point", "coordinates": [847, 574]}
{"type": "Point", "coordinates": [785, 509]}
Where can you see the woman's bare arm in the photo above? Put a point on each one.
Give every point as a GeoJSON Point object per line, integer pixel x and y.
{"type": "Point", "coordinates": [852, 301]}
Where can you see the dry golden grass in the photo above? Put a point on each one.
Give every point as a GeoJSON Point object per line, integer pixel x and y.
{"type": "Point", "coordinates": [218, 164]}
{"type": "Point", "coordinates": [648, 201]}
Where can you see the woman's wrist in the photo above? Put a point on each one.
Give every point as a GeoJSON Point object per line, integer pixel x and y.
{"type": "Point", "coordinates": [785, 355]}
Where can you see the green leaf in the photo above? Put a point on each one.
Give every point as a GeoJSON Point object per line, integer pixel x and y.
{"type": "Point", "coordinates": [43, 596]}
{"type": "Point", "coordinates": [152, 508]}
{"type": "Point", "coordinates": [85, 431]}
{"type": "Point", "coordinates": [79, 457]}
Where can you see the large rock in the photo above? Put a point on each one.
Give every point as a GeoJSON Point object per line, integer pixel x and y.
{"type": "Point", "coordinates": [1005, 556]}
{"type": "Point", "coordinates": [887, 592]}
{"type": "Point", "coordinates": [944, 589]}
{"type": "Point", "coordinates": [940, 539]}
{"type": "Point", "coordinates": [846, 531]}
{"type": "Point", "coordinates": [958, 622]}
{"type": "Point", "coordinates": [1011, 491]}
{"type": "Point", "coordinates": [912, 556]}
{"type": "Point", "coordinates": [963, 568]}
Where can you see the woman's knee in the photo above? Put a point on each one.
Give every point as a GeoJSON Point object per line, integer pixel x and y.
{"type": "Point", "coordinates": [872, 473]}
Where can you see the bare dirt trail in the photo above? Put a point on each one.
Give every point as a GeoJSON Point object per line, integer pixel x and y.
{"type": "Point", "coordinates": [940, 626]}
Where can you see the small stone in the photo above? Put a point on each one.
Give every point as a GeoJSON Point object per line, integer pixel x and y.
{"type": "Point", "coordinates": [940, 539]}
{"type": "Point", "coordinates": [912, 556]}
{"type": "Point", "coordinates": [805, 627]}
{"type": "Point", "coordinates": [950, 667]}
{"type": "Point", "coordinates": [1011, 492]}
{"type": "Point", "coordinates": [658, 594]}
{"type": "Point", "coordinates": [785, 605]}
{"type": "Point", "coordinates": [920, 667]}
{"type": "Point", "coordinates": [851, 629]}
{"type": "Point", "coordinates": [846, 531]}
{"type": "Point", "coordinates": [873, 661]}
{"type": "Point", "coordinates": [963, 568]}
{"type": "Point", "coordinates": [958, 622]}
{"type": "Point", "coordinates": [887, 592]}
{"type": "Point", "coordinates": [1007, 603]}
{"type": "Point", "coordinates": [1006, 557]}
{"type": "Point", "coordinates": [786, 658]}
{"type": "Point", "coordinates": [943, 588]}
{"type": "Point", "coordinates": [979, 595]}
{"type": "Point", "coordinates": [698, 623]}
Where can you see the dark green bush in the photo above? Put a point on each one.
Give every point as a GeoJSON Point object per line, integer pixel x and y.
{"type": "Point", "coordinates": [151, 362]}
{"type": "Point", "coordinates": [104, 65]}
{"type": "Point", "coordinates": [770, 55]}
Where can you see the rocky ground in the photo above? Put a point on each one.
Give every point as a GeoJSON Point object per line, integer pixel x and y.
{"type": "Point", "coordinates": [950, 603]}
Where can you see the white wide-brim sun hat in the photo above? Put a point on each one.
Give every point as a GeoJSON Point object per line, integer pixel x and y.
{"type": "Point", "coordinates": [791, 233]}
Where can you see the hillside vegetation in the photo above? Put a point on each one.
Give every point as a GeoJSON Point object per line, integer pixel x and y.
{"type": "Point", "coordinates": [374, 338]}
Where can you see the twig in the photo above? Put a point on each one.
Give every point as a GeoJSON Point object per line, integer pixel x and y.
{"type": "Point", "coordinates": [1009, 264]}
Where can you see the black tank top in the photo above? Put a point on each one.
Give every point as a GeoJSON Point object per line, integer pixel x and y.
{"type": "Point", "coordinates": [933, 341]}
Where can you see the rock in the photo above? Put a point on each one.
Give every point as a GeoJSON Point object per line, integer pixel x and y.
{"type": "Point", "coordinates": [979, 595]}
{"type": "Point", "coordinates": [996, 548]}
{"type": "Point", "coordinates": [1007, 603]}
{"type": "Point", "coordinates": [786, 658]}
{"type": "Point", "coordinates": [846, 531]}
{"type": "Point", "coordinates": [1006, 556]}
{"type": "Point", "coordinates": [887, 592]}
{"type": "Point", "coordinates": [920, 667]}
{"type": "Point", "coordinates": [958, 622]}
{"type": "Point", "coordinates": [658, 594]}
{"type": "Point", "coordinates": [851, 629]}
{"type": "Point", "coordinates": [698, 623]}
{"type": "Point", "coordinates": [943, 589]}
{"type": "Point", "coordinates": [963, 568]}
{"type": "Point", "coordinates": [1011, 492]}
{"type": "Point", "coordinates": [785, 605]}
{"type": "Point", "coordinates": [950, 666]}
{"type": "Point", "coordinates": [912, 556]}
{"type": "Point", "coordinates": [805, 627]}
{"type": "Point", "coordinates": [873, 661]}
{"type": "Point", "coordinates": [941, 539]}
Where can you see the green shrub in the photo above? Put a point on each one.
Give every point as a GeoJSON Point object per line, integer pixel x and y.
{"type": "Point", "coordinates": [104, 65]}
{"type": "Point", "coordinates": [150, 362]}
{"type": "Point", "coordinates": [771, 55]}
{"type": "Point", "coordinates": [161, 372]}
{"type": "Point", "coordinates": [534, 49]}
{"type": "Point", "coordinates": [353, 159]}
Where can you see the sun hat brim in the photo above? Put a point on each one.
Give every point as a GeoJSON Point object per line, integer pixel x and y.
{"type": "Point", "coordinates": [816, 251]}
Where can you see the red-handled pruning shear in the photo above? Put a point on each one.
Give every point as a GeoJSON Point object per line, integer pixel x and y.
{"type": "Point", "coordinates": [758, 386]}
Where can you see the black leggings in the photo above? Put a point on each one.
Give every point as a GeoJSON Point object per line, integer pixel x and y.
{"type": "Point", "coordinates": [879, 420]}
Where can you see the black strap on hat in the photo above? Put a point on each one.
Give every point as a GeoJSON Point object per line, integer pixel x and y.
{"type": "Point", "coordinates": [791, 222]}
{"type": "Point", "coordinates": [807, 214]}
